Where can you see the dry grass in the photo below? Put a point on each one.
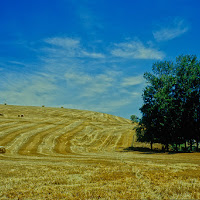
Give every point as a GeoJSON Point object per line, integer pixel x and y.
{"type": "Point", "coordinates": [55, 153]}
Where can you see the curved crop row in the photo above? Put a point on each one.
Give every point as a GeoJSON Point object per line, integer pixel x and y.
{"type": "Point", "coordinates": [61, 132]}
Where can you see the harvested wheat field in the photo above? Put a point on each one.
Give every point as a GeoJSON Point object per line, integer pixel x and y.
{"type": "Point", "coordinates": [57, 153]}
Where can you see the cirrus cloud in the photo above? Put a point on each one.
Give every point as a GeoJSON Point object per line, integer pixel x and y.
{"type": "Point", "coordinates": [173, 29]}
{"type": "Point", "coordinates": [136, 50]}
{"type": "Point", "coordinates": [69, 47]}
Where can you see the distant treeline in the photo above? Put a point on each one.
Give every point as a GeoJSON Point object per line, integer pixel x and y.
{"type": "Point", "coordinates": [171, 109]}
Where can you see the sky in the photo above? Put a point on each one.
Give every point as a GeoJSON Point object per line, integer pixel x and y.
{"type": "Point", "coordinates": [90, 54]}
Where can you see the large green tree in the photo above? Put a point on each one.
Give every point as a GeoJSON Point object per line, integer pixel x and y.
{"type": "Point", "coordinates": [171, 109]}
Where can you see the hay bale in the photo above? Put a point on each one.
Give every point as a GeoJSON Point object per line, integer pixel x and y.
{"type": "Point", "coordinates": [22, 115]}
{"type": "Point", "coordinates": [2, 149]}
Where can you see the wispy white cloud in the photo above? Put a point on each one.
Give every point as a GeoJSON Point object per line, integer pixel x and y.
{"type": "Point", "coordinates": [108, 106]}
{"type": "Point", "coordinates": [92, 85]}
{"type": "Point", "coordinates": [69, 47]}
{"type": "Point", "coordinates": [63, 42]}
{"type": "Point", "coordinates": [105, 92]}
{"type": "Point", "coordinates": [68, 77]}
{"type": "Point", "coordinates": [173, 29]}
{"type": "Point", "coordinates": [78, 77]}
{"type": "Point", "coordinates": [92, 55]}
{"type": "Point", "coordinates": [133, 80]}
{"type": "Point", "coordinates": [25, 89]}
{"type": "Point", "coordinates": [111, 105]}
{"type": "Point", "coordinates": [136, 50]}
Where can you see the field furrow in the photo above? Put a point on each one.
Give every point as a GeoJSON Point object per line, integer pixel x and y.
{"type": "Point", "coordinates": [118, 138]}
{"type": "Point", "coordinates": [6, 122]}
{"type": "Point", "coordinates": [88, 139]}
{"type": "Point", "coordinates": [63, 143]}
{"type": "Point", "coordinates": [98, 140]}
{"type": "Point", "coordinates": [102, 140]}
{"type": "Point", "coordinates": [84, 136]}
{"type": "Point", "coordinates": [16, 144]}
{"type": "Point", "coordinates": [48, 144]}
{"type": "Point", "coordinates": [113, 142]}
{"type": "Point", "coordinates": [12, 134]}
{"type": "Point", "coordinates": [107, 145]}
{"type": "Point", "coordinates": [82, 140]}
{"type": "Point", "coordinates": [5, 128]}
{"type": "Point", "coordinates": [126, 139]}
{"type": "Point", "coordinates": [31, 145]}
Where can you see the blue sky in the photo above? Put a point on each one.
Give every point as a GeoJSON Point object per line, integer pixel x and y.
{"type": "Point", "coordinates": [90, 54]}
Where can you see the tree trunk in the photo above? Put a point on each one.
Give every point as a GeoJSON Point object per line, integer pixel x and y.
{"type": "Point", "coordinates": [163, 148]}
{"type": "Point", "coordinates": [176, 147]}
{"type": "Point", "coordinates": [132, 141]}
{"type": "Point", "coordinates": [167, 147]}
{"type": "Point", "coordinates": [151, 145]}
{"type": "Point", "coordinates": [190, 144]}
{"type": "Point", "coordinates": [197, 149]}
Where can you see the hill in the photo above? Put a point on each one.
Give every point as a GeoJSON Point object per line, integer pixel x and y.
{"type": "Point", "coordinates": [58, 153]}
{"type": "Point", "coordinates": [60, 131]}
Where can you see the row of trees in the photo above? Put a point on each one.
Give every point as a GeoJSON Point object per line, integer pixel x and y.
{"type": "Point", "coordinates": [171, 109]}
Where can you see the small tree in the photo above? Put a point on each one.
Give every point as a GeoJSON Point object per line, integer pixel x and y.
{"type": "Point", "coordinates": [134, 119]}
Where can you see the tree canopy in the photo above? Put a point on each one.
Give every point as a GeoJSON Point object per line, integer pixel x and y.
{"type": "Point", "coordinates": [134, 119]}
{"type": "Point", "coordinates": [171, 109]}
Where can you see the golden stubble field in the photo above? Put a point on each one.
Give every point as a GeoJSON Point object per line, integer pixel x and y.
{"type": "Point", "coordinates": [57, 153]}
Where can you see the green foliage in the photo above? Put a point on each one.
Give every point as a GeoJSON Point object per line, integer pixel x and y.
{"type": "Point", "coordinates": [171, 109]}
{"type": "Point", "coordinates": [134, 119]}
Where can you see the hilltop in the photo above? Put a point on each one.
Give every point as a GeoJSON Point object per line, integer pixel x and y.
{"type": "Point", "coordinates": [28, 130]}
